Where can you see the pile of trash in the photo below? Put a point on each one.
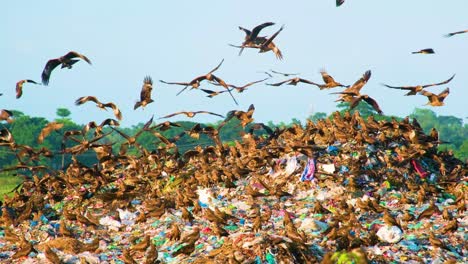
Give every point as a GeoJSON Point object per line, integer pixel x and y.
{"type": "Point", "coordinates": [342, 191]}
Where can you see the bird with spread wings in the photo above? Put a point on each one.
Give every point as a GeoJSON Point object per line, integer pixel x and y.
{"type": "Point", "coordinates": [66, 61]}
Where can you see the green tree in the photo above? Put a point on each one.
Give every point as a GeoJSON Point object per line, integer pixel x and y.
{"type": "Point", "coordinates": [63, 113]}
{"type": "Point", "coordinates": [317, 116]}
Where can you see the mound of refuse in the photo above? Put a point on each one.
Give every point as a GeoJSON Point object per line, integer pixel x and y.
{"type": "Point", "coordinates": [341, 190]}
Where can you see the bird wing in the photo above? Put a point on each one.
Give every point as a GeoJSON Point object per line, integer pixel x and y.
{"type": "Point", "coordinates": [270, 40]}
{"type": "Point", "coordinates": [115, 109]}
{"type": "Point", "coordinates": [307, 81]}
{"type": "Point", "coordinates": [247, 85]}
{"type": "Point", "coordinates": [207, 112]}
{"type": "Point", "coordinates": [217, 67]}
{"type": "Point", "coordinates": [373, 103]}
{"type": "Point", "coordinates": [49, 67]}
{"type": "Point", "coordinates": [19, 88]}
{"type": "Point", "coordinates": [110, 122]}
{"type": "Point", "coordinates": [456, 33]}
{"type": "Point", "coordinates": [356, 87]}
{"type": "Point", "coordinates": [326, 77]}
{"type": "Point", "coordinates": [74, 54]}
{"type": "Point", "coordinates": [282, 73]}
{"type": "Point", "coordinates": [444, 93]}
{"type": "Point", "coordinates": [177, 83]}
{"type": "Point", "coordinates": [435, 84]}
{"type": "Point", "coordinates": [174, 114]}
{"type": "Point", "coordinates": [400, 87]}
{"type": "Point", "coordinates": [280, 83]}
{"type": "Point", "coordinates": [223, 83]}
{"type": "Point", "coordinates": [47, 129]}
{"type": "Point", "coordinates": [146, 89]}
{"type": "Point", "coordinates": [258, 28]}
{"type": "Point", "coordinates": [246, 31]}
{"type": "Point", "coordinates": [85, 99]}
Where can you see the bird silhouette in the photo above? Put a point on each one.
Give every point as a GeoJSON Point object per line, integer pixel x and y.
{"type": "Point", "coordinates": [66, 61]}
{"type": "Point", "coordinates": [413, 90]}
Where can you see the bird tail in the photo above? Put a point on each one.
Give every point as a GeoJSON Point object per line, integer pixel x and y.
{"type": "Point", "coordinates": [137, 104]}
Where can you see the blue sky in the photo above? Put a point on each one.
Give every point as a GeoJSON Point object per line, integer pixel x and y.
{"type": "Point", "coordinates": [179, 40]}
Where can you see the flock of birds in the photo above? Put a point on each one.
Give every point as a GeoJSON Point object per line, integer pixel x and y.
{"type": "Point", "coordinates": [117, 178]}
{"type": "Point", "coordinates": [252, 40]}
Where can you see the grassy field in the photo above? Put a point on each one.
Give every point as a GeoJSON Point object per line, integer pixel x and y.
{"type": "Point", "coordinates": [7, 183]}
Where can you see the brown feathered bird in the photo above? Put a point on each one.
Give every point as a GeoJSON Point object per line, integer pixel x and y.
{"type": "Point", "coordinates": [195, 83]}
{"type": "Point", "coordinates": [66, 61]}
{"type": "Point", "coordinates": [413, 90]}
{"type": "Point", "coordinates": [19, 87]}
{"type": "Point", "coordinates": [145, 94]}
{"type": "Point", "coordinates": [100, 105]}
{"type": "Point", "coordinates": [190, 114]}
{"type": "Point", "coordinates": [251, 36]}
{"type": "Point", "coordinates": [329, 81]}
{"type": "Point", "coordinates": [143, 245]}
{"type": "Point", "coordinates": [52, 126]}
{"type": "Point", "coordinates": [429, 211]}
{"type": "Point", "coordinates": [270, 45]}
{"type": "Point", "coordinates": [151, 255]}
{"type": "Point", "coordinates": [424, 51]}
{"type": "Point", "coordinates": [51, 255]}
{"type": "Point", "coordinates": [372, 102]}
{"type": "Point", "coordinates": [357, 86]}
{"type": "Point", "coordinates": [293, 81]}
{"type": "Point", "coordinates": [244, 117]}
{"type": "Point", "coordinates": [437, 243]}
{"type": "Point", "coordinates": [436, 99]}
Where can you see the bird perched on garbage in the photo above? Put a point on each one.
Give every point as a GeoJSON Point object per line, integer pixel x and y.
{"type": "Point", "coordinates": [174, 234]}
{"type": "Point", "coordinates": [424, 51]}
{"type": "Point", "coordinates": [143, 245]}
{"type": "Point", "coordinates": [437, 243]}
{"type": "Point", "coordinates": [127, 257]}
{"type": "Point", "coordinates": [413, 90]}
{"type": "Point", "coordinates": [19, 87]}
{"type": "Point", "coordinates": [456, 33]}
{"type": "Point", "coordinates": [429, 211]}
{"type": "Point", "coordinates": [66, 61]}
{"type": "Point", "coordinates": [436, 99]}
{"type": "Point", "coordinates": [145, 94]}
{"type": "Point", "coordinates": [25, 247]}
{"type": "Point", "coordinates": [100, 105]}
{"type": "Point", "coordinates": [151, 255]}
{"type": "Point", "coordinates": [51, 255]}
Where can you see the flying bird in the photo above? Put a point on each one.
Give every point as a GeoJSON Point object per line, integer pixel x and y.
{"type": "Point", "coordinates": [357, 99]}
{"type": "Point", "coordinates": [413, 90]}
{"type": "Point", "coordinates": [239, 89]}
{"type": "Point", "coordinates": [339, 2]}
{"type": "Point", "coordinates": [284, 74]}
{"type": "Point", "coordinates": [145, 95]}
{"type": "Point", "coordinates": [329, 81]}
{"type": "Point", "coordinates": [19, 87]}
{"type": "Point", "coordinates": [191, 114]}
{"type": "Point", "coordinates": [357, 86]}
{"type": "Point", "coordinates": [424, 51]}
{"type": "Point", "coordinates": [270, 45]}
{"type": "Point", "coordinates": [100, 105]}
{"type": "Point", "coordinates": [293, 81]}
{"type": "Point", "coordinates": [456, 33]}
{"type": "Point", "coordinates": [436, 99]}
{"type": "Point", "coordinates": [251, 36]}
{"type": "Point", "coordinates": [66, 61]}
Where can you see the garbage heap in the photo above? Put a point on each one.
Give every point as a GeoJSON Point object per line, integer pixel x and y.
{"type": "Point", "coordinates": [341, 190]}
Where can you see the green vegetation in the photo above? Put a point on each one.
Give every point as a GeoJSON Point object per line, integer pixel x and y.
{"type": "Point", "coordinates": [25, 130]}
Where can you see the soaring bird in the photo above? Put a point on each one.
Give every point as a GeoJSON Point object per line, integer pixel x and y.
{"type": "Point", "coordinates": [190, 114]}
{"type": "Point", "coordinates": [251, 36]}
{"type": "Point", "coordinates": [52, 126]}
{"type": "Point", "coordinates": [100, 105]}
{"type": "Point", "coordinates": [436, 99]}
{"type": "Point", "coordinates": [66, 61]}
{"type": "Point", "coordinates": [357, 86]}
{"type": "Point", "coordinates": [19, 87]}
{"type": "Point", "coordinates": [293, 81]}
{"type": "Point", "coordinates": [239, 89]}
{"type": "Point", "coordinates": [413, 90]}
{"type": "Point", "coordinates": [244, 117]}
{"type": "Point", "coordinates": [424, 51]}
{"type": "Point", "coordinates": [270, 45]}
{"type": "Point", "coordinates": [456, 33]}
{"type": "Point", "coordinates": [329, 81]}
{"type": "Point", "coordinates": [5, 115]}
{"type": "Point", "coordinates": [145, 95]}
